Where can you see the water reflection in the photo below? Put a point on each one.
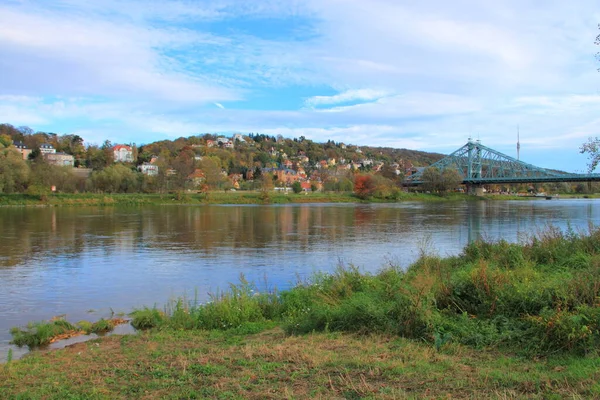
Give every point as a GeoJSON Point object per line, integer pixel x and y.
{"type": "Point", "coordinates": [70, 260]}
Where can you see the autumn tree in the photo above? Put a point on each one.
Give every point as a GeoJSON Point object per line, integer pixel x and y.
{"type": "Point", "coordinates": [211, 167]}
{"type": "Point", "coordinates": [364, 186]}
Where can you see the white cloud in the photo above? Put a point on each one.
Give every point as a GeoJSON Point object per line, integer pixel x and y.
{"type": "Point", "coordinates": [347, 96]}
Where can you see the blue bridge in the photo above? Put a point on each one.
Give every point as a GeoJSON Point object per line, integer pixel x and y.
{"type": "Point", "coordinates": [479, 165]}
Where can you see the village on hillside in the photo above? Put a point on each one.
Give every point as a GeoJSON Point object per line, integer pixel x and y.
{"type": "Point", "coordinates": [210, 161]}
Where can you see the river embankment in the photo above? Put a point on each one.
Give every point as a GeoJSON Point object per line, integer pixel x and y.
{"type": "Point", "coordinates": [498, 320]}
{"type": "Point", "coordinates": [189, 198]}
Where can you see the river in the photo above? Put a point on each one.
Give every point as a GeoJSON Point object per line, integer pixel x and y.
{"type": "Point", "coordinates": [87, 262]}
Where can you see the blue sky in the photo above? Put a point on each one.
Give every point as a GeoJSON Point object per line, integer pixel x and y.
{"type": "Point", "coordinates": [422, 75]}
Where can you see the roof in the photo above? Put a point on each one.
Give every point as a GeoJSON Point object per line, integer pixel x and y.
{"type": "Point", "coordinates": [196, 174]}
{"type": "Point", "coordinates": [121, 146]}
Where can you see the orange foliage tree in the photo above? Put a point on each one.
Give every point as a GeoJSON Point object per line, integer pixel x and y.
{"type": "Point", "coordinates": [364, 186]}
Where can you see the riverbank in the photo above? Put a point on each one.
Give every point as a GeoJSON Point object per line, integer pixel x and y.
{"type": "Point", "coordinates": [176, 364]}
{"type": "Point", "coordinates": [184, 198]}
{"type": "Point", "coordinates": [499, 320]}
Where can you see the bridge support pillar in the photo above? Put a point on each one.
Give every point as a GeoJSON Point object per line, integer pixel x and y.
{"type": "Point", "coordinates": [476, 190]}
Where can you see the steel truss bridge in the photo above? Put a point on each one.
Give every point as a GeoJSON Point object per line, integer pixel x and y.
{"type": "Point", "coordinates": [479, 165]}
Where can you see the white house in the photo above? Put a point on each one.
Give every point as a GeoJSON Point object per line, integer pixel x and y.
{"type": "Point", "coordinates": [46, 148]}
{"type": "Point", "coordinates": [123, 153]}
{"type": "Point", "coordinates": [148, 169]}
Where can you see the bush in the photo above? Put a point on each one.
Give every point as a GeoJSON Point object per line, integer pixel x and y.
{"type": "Point", "coordinates": [41, 333]}
{"type": "Point", "coordinates": [297, 187]}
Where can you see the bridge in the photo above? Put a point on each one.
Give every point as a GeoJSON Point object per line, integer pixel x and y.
{"type": "Point", "coordinates": [479, 165]}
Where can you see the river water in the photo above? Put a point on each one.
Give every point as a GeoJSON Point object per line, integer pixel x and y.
{"type": "Point", "coordinates": [86, 262]}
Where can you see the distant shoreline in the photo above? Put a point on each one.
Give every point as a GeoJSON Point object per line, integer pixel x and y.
{"type": "Point", "coordinates": [239, 197]}
{"type": "Point", "coordinates": [187, 198]}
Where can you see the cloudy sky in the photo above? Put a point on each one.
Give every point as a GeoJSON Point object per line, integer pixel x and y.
{"type": "Point", "coordinates": [422, 75]}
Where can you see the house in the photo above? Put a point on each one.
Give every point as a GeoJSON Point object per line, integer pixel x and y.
{"type": "Point", "coordinates": [287, 164]}
{"type": "Point", "coordinates": [210, 143]}
{"type": "Point", "coordinates": [123, 153]}
{"type": "Point", "coordinates": [148, 169]}
{"type": "Point", "coordinates": [301, 172]}
{"type": "Point", "coordinates": [238, 137]}
{"type": "Point", "coordinates": [59, 159]}
{"type": "Point", "coordinates": [226, 143]}
{"type": "Point", "coordinates": [25, 152]}
{"type": "Point", "coordinates": [46, 148]}
{"type": "Point", "coordinates": [285, 175]}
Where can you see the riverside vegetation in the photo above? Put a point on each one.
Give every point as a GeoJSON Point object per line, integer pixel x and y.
{"type": "Point", "coordinates": [500, 320]}
{"type": "Point", "coordinates": [240, 197]}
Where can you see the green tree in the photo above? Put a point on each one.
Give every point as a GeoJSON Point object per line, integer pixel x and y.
{"type": "Point", "coordinates": [211, 166]}
{"type": "Point", "coordinates": [431, 179]}
{"type": "Point", "coordinates": [14, 171]}
{"type": "Point", "coordinates": [5, 141]}
{"type": "Point", "coordinates": [297, 187]}
{"type": "Point", "coordinates": [116, 178]}
{"type": "Point", "coordinates": [451, 179]}
{"type": "Point", "coordinates": [62, 177]}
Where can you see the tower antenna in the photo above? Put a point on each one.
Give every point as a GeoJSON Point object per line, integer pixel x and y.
{"type": "Point", "coordinates": [518, 143]}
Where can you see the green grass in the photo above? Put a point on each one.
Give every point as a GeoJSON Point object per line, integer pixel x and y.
{"type": "Point", "coordinates": [216, 197]}
{"type": "Point", "coordinates": [39, 334]}
{"type": "Point", "coordinates": [176, 364]}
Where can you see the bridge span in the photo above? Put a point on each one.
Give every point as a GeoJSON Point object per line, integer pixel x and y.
{"type": "Point", "coordinates": [480, 165]}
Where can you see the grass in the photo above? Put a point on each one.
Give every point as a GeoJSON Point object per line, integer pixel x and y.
{"type": "Point", "coordinates": [501, 320]}
{"type": "Point", "coordinates": [176, 364]}
{"type": "Point", "coordinates": [39, 334]}
{"type": "Point", "coordinates": [217, 197]}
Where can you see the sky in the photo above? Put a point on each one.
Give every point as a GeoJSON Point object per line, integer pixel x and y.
{"type": "Point", "coordinates": [423, 75]}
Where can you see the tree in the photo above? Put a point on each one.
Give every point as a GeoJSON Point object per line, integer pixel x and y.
{"type": "Point", "coordinates": [364, 186]}
{"type": "Point", "coordinates": [441, 181]}
{"type": "Point", "coordinates": [597, 43]}
{"type": "Point", "coordinates": [116, 178]}
{"type": "Point", "coordinates": [14, 171]}
{"type": "Point", "coordinates": [451, 179]}
{"type": "Point", "coordinates": [592, 147]}
{"type": "Point", "coordinates": [211, 166]}
{"type": "Point", "coordinates": [297, 187]}
{"type": "Point", "coordinates": [5, 141]}
{"type": "Point", "coordinates": [431, 179]}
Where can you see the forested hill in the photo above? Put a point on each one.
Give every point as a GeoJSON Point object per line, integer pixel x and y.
{"type": "Point", "coordinates": [236, 152]}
